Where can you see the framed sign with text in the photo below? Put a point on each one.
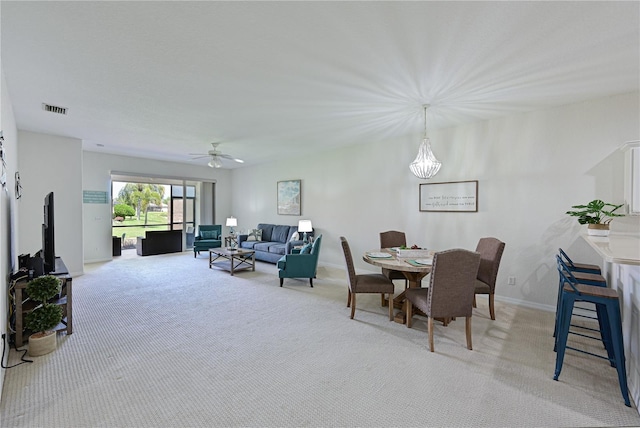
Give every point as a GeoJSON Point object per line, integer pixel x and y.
{"type": "Point", "coordinates": [454, 196]}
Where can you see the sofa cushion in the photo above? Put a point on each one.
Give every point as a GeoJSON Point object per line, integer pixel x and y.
{"type": "Point", "coordinates": [277, 248]}
{"type": "Point", "coordinates": [280, 234]}
{"type": "Point", "coordinates": [295, 236]}
{"type": "Point", "coordinates": [248, 244]}
{"type": "Point", "coordinates": [267, 230]}
{"type": "Point", "coordinates": [262, 246]}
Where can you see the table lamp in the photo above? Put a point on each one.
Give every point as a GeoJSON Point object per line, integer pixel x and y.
{"type": "Point", "coordinates": [231, 223]}
{"type": "Point", "coordinates": [305, 226]}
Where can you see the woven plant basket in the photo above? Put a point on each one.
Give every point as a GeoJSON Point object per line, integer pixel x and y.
{"type": "Point", "coordinates": [40, 344]}
{"type": "Point", "coordinates": [598, 229]}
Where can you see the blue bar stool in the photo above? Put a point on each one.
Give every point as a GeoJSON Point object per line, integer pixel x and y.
{"type": "Point", "coordinates": [578, 267]}
{"type": "Point", "coordinates": [582, 277]}
{"type": "Point", "coordinates": [606, 300]}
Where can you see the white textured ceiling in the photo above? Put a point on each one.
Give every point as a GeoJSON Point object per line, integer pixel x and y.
{"type": "Point", "coordinates": [164, 79]}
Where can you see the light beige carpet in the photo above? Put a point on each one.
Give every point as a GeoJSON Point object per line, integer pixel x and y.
{"type": "Point", "coordinates": [163, 341]}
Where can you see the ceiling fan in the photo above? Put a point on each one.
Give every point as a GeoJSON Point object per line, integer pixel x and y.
{"type": "Point", "coordinates": [216, 156]}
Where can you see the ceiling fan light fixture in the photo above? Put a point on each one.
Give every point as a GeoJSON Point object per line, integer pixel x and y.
{"type": "Point", "coordinates": [425, 165]}
{"type": "Point", "coordinates": [215, 162]}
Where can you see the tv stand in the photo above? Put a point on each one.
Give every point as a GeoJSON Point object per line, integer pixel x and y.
{"type": "Point", "coordinates": [24, 306]}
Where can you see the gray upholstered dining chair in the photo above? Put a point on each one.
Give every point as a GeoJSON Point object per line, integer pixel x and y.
{"type": "Point", "coordinates": [389, 239]}
{"type": "Point", "coordinates": [450, 292]}
{"type": "Point", "coordinates": [490, 250]}
{"type": "Point", "coordinates": [365, 283]}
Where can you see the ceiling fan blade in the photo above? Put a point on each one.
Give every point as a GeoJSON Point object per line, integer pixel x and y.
{"type": "Point", "coordinates": [200, 157]}
{"type": "Point", "coordinates": [231, 158]}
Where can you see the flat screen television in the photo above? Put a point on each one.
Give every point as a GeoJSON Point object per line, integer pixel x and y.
{"type": "Point", "coordinates": [48, 236]}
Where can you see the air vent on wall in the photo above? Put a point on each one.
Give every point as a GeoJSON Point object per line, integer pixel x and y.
{"type": "Point", "coordinates": [54, 109]}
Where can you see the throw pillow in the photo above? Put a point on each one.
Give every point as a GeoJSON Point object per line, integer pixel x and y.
{"type": "Point", "coordinates": [295, 237]}
{"type": "Point", "coordinates": [306, 249]}
{"type": "Point", "coordinates": [209, 234]}
{"type": "Point", "coordinates": [255, 235]}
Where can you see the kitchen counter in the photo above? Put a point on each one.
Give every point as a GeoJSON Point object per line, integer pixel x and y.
{"type": "Point", "coordinates": [616, 248]}
{"type": "Point", "coordinates": [621, 267]}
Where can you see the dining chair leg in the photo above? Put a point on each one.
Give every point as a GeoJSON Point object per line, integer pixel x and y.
{"type": "Point", "coordinates": [492, 311]}
{"type": "Point", "coordinates": [390, 306]}
{"type": "Point", "coordinates": [353, 304]}
{"type": "Point", "coordinates": [430, 326]}
{"type": "Point", "coordinates": [468, 331]}
{"type": "Point", "coordinates": [381, 299]}
{"type": "Point", "coordinates": [474, 301]}
{"type": "Point", "coordinates": [348, 297]}
{"type": "Point", "coordinates": [409, 311]}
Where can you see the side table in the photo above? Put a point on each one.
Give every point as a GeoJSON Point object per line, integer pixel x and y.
{"type": "Point", "coordinates": [23, 307]}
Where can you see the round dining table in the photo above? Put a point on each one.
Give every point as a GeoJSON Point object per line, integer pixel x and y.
{"type": "Point", "coordinates": [414, 272]}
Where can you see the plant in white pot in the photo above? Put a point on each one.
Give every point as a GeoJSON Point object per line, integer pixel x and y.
{"type": "Point", "coordinates": [596, 215]}
{"type": "Point", "coordinates": [45, 316]}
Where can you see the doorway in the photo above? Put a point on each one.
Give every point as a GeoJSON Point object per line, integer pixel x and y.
{"type": "Point", "coordinates": [142, 204]}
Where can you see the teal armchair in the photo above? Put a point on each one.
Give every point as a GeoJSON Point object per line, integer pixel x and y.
{"type": "Point", "coordinates": [300, 265]}
{"type": "Point", "coordinates": [209, 236]}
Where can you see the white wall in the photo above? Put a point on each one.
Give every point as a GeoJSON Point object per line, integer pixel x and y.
{"type": "Point", "coordinates": [531, 168]}
{"type": "Point", "coordinates": [49, 163]}
{"type": "Point", "coordinates": [97, 169]}
{"type": "Point", "coordinates": [8, 208]}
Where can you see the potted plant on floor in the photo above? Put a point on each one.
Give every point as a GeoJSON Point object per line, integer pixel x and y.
{"type": "Point", "coordinates": [596, 215]}
{"type": "Point", "coordinates": [45, 316]}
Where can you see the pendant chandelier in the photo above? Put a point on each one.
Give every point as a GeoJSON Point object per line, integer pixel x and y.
{"type": "Point", "coordinates": [425, 164]}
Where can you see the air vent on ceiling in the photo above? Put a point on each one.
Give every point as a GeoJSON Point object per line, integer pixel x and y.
{"type": "Point", "coordinates": [54, 109]}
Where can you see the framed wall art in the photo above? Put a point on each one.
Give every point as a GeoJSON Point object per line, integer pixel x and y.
{"type": "Point", "coordinates": [454, 196]}
{"type": "Point", "coordinates": [289, 197]}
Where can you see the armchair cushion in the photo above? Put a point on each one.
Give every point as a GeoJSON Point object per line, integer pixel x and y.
{"type": "Point", "coordinates": [209, 234]}
{"type": "Point", "coordinates": [306, 249]}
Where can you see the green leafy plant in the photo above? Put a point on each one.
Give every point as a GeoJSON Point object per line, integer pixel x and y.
{"type": "Point", "coordinates": [123, 210]}
{"type": "Point", "coordinates": [595, 212]}
{"type": "Point", "coordinates": [43, 288]}
{"type": "Point", "coordinates": [47, 315]}
{"type": "Point", "coordinates": [44, 318]}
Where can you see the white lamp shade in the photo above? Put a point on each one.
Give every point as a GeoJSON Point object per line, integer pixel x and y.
{"type": "Point", "coordinates": [305, 226]}
{"type": "Point", "coordinates": [232, 221]}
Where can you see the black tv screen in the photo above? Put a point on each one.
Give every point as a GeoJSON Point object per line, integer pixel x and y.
{"type": "Point", "coordinates": [48, 236]}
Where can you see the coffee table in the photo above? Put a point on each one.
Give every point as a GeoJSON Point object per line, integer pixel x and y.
{"type": "Point", "coordinates": [232, 260]}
